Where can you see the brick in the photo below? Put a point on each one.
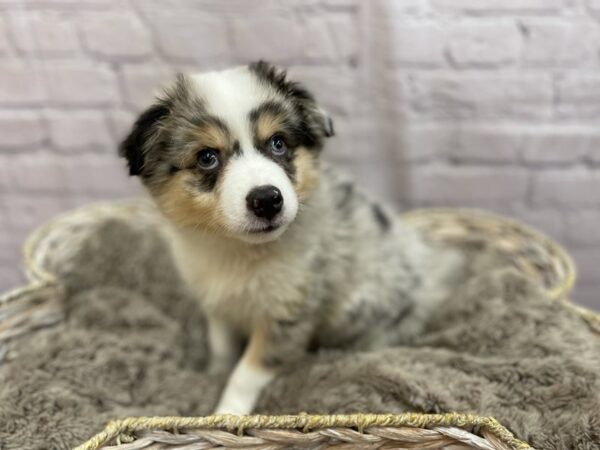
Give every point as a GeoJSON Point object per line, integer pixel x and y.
{"type": "Point", "coordinates": [587, 295]}
{"type": "Point", "coordinates": [36, 174]}
{"type": "Point", "coordinates": [361, 141]}
{"type": "Point", "coordinates": [191, 36]}
{"type": "Point", "coordinates": [106, 175]}
{"type": "Point", "coordinates": [4, 225]}
{"type": "Point", "coordinates": [116, 35]}
{"type": "Point", "coordinates": [20, 85]}
{"type": "Point", "coordinates": [10, 239]}
{"type": "Point", "coordinates": [424, 142]}
{"type": "Point", "coordinates": [44, 33]}
{"type": "Point", "coordinates": [470, 186]}
{"type": "Point", "coordinates": [5, 175]}
{"type": "Point", "coordinates": [587, 260]}
{"type": "Point", "coordinates": [578, 96]}
{"type": "Point", "coordinates": [229, 7]}
{"type": "Point", "coordinates": [4, 46]}
{"type": "Point", "coordinates": [320, 46]}
{"type": "Point", "coordinates": [461, 144]}
{"type": "Point", "coordinates": [352, 140]}
{"type": "Point", "coordinates": [481, 45]}
{"type": "Point", "coordinates": [556, 145]}
{"type": "Point", "coordinates": [66, 5]}
{"type": "Point", "coordinates": [333, 37]}
{"type": "Point", "coordinates": [10, 249]}
{"type": "Point", "coordinates": [21, 130]}
{"type": "Point", "coordinates": [454, 96]}
{"type": "Point", "coordinates": [549, 221]}
{"type": "Point", "coordinates": [344, 31]}
{"type": "Point", "coordinates": [142, 83]}
{"type": "Point", "coordinates": [120, 123]}
{"type": "Point", "coordinates": [81, 85]}
{"type": "Point", "coordinates": [583, 227]}
{"type": "Point", "coordinates": [410, 44]}
{"type": "Point", "coordinates": [394, 10]}
{"type": "Point", "coordinates": [280, 38]}
{"type": "Point", "coordinates": [594, 149]}
{"type": "Point", "coordinates": [566, 188]}
{"type": "Point", "coordinates": [386, 182]}
{"type": "Point", "coordinates": [559, 43]}
{"type": "Point", "coordinates": [341, 4]}
{"type": "Point", "coordinates": [79, 131]}
{"type": "Point", "coordinates": [327, 84]}
{"type": "Point", "coordinates": [28, 212]}
{"type": "Point", "coordinates": [498, 7]}
{"type": "Point", "coordinates": [487, 144]}
{"type": "Point", "coordinates": [11, 274]}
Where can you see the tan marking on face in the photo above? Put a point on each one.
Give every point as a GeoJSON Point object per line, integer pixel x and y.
{"type": "Point", "coordinates": [268, 124]}
{"type": "Point", "coordinates": [212, 136]}
{"type": "Point", "coordinates": [188, 207]}
{"type": "Point", "coordinates": [207, 136]}
{"type": "Point", "coordinates": [307, 173]}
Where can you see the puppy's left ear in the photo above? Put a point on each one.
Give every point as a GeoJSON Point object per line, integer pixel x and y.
{"type": "Point", "coordinates": [135, 146]}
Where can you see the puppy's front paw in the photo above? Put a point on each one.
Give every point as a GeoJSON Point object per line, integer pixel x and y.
{"type": "Point", "coordinates": [243, 388]}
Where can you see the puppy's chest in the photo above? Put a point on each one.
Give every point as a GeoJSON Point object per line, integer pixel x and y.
{"type": "Point", "coordinates": [241, 288]}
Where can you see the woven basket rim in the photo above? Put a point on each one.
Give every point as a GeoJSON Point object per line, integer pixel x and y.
{"type": "Point", "coordinates": [560, 292]}
{"type": "Point", "coordinates": [40, 278]}
{"type": "Point", "coordinates": [571, 271]}
{"type": "Point", "coordinates": [305, 422]}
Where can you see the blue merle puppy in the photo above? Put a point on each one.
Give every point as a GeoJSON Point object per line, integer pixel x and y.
{"type": "Point", "coordinates": [282, 253]}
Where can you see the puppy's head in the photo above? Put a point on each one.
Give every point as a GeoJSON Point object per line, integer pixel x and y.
{"type": "Point", "coordinates": [233, 152]}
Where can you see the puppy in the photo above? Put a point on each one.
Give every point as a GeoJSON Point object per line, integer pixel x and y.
{"type": "Point", "coordinates": [282, 253]}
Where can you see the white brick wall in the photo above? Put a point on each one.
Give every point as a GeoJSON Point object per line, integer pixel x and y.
{"type": "Point", "coordinates": [486, 103]}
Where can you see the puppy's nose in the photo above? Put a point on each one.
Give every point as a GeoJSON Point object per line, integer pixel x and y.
{"type": "Point", "coordinates": [265, 201]}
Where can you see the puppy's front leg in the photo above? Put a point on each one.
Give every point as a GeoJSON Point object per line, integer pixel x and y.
{"type": "Point", "coordinates": [249, 377]}
{"type": "Point", "coordinates": [224, 346]}
{"type": "Point", "coordinates": [271, 347]}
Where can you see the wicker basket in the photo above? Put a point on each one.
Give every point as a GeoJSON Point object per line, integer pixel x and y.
{"type": "Point", "coordinates": [39, 305]}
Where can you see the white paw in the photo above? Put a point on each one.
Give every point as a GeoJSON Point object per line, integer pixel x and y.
{"type": "Point", "coordinates": [243, 388]}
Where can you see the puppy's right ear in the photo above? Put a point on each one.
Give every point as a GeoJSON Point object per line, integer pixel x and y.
{"type": "Point", "coordinates": [135, 146]}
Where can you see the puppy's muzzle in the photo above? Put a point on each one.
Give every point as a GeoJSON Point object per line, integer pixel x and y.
{"type": "Point", "coordinates": [265, 202]}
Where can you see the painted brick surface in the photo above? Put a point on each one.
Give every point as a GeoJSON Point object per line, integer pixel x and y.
{"type": "Point", "coordinates": [482, 103]}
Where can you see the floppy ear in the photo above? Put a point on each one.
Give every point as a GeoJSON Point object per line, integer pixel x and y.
{"type": "Point", "coordinates": [317, 120]}
{"type": "Point", "coordinates": [134, 147]}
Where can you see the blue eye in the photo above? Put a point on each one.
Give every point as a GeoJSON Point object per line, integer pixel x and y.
{"type": "Point", "coordinates": [208, 159]}
{"type": "Point", "coordinates": [278, 146]}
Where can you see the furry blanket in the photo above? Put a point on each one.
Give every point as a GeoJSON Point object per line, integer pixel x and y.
{"type": "Point", "coordinates": [133, 343]}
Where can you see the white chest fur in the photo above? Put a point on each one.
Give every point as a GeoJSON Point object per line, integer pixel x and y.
{"type": "Point", "coordinates": [241, 282]}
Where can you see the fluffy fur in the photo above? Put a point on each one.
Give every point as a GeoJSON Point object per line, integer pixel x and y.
{"type": "Point", "coordinates": [333, 268]}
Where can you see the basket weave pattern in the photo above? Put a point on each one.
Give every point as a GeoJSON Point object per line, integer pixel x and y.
{"type": "Point", "coordinates": [373, 431]}
{"type": "Point", "coordinates": [46, 254]}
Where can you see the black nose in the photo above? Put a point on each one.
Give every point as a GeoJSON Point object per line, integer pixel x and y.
{"type": "Point", "coordinates": [265, 201]}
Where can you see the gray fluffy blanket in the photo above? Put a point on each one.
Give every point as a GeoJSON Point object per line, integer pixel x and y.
{"type": "Point", "coordinates": [133, 343]}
